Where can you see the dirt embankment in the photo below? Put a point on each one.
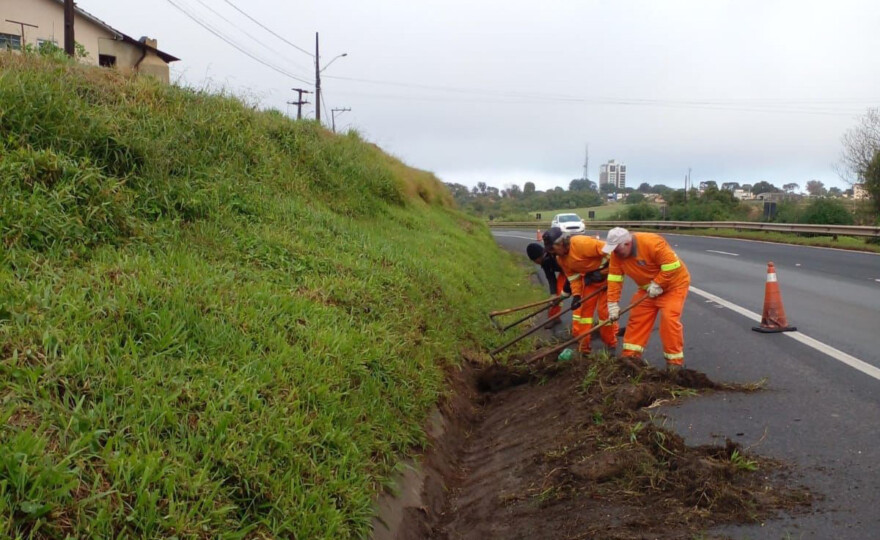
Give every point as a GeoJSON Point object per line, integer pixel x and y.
{"type": "Point", "coordinates": [571, 450]}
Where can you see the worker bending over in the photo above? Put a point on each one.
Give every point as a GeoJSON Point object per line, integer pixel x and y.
{"type": "Point", "coordinates": [584, 264]}
{"type": "Point", "coordinates": [555, 277]}
{"type": "Point", "coordinates": [661, 276]}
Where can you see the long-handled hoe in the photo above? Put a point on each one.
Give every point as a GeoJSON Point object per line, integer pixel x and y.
{"type": "Point", "coordinates": [576, 339]}
{"type": "Point", "coordinates": [540, 325]}
{"type": "Point", "coordinates": [546, 304]}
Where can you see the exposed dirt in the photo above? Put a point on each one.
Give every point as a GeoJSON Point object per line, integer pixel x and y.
{"type": "Point", "coordinates": [570, 450]}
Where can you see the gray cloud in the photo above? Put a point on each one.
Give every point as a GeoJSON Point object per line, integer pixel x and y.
{"type": "Point", "coordinates": [509, 91]}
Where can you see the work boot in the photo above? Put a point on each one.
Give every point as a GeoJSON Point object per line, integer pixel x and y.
{"type": "Point", "coordinates": [673, 369]}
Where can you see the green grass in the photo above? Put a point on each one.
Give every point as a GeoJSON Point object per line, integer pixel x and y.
{"type": "Point", "coordinates": [215, 322]}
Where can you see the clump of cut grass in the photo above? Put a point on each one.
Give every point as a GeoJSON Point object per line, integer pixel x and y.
{"type": "Point", "coordinates": [214, 321]}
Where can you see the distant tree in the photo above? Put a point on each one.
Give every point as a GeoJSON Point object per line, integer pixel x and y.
{"type": "Point", "coordinates": [835, 192]}
{"type": "Point", "coordinates": [827, 212]}
{"type": "Point", "coordinates": [581, 185]}
{"type": "Point", "coordinates": [660, 188]}
{"type": "Point", "coordinates": [872, 179]}
{"type": "Point", "coordinates": [529, 188]}
{"type": "Point", "coordinates": [607, 188]}
{"type": "Point", "coordinates": [513, 191]}
{"type": "Point", "coordinates": [860, 146]}
{"type": "Point", "coordinates": [730, 186]}
{"type": "Point", "coordinates": [458, 191]}
{"type": "Point", "coordinates": [641, 211]}
{"type": "Point", "coordinates": [708, 184]}
{"type": "Point", "coordinates": [635, 198]}
{"type": "Point", "coordinates": [747, 188]}
{"type": "Point", "coordinates": [493, 192]}
{"type": "Point", "coordinates": [764, 187]}
{"type": "Point", "coordinates": [815, 188]}
{"type": "Point", "coordinates": [644, 187]}
{"type": "Point", "coordinates": [482, 187]}
{"type": "Point", "coordinates": [791, 187]}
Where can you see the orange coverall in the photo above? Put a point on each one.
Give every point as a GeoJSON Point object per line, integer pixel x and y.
{"type": "Point", "coordinates": [652, 259]}
{"type": "Point", "coordinates": [560, 290]}
{"type": "Point", "coordinates": [584, 257]}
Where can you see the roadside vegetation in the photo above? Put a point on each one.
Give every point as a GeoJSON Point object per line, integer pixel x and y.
{"type": "Point", "coordinates": [215, 322]}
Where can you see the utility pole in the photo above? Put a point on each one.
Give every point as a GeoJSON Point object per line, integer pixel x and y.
{"type": "Point", "coordinates": [687, 181]}
{"type": "Point", "coordinates": [69, 42]}
{"type": "Point", "coordinates": [317, 80]}
{"type": "Point", "coordinates": [587, 164]}
{"type": "Point", "coordinates": [333, 114]}
{"type": "Point", "coordinates": [299, 101]}
{"type": "Point", "coordinates": [22, 24]}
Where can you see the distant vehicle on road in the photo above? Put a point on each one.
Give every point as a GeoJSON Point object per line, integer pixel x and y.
{"type": "Point", "coordinates": [569, 223]}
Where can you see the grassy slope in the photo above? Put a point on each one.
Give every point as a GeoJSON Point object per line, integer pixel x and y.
{"type": "Point", "coordinates": [215, 322]}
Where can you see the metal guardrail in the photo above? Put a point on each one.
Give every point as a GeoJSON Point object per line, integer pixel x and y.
{"type": "Point", "coordinates": [828, 230]}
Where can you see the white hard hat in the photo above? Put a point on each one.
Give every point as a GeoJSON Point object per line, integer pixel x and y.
{"type": "Point", "coordinates": [616, 236]}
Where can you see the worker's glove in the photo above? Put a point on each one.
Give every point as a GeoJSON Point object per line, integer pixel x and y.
{"type": "Point", "coordinates": [596, 277]}
{"type": "Point", "coordinates": [654, 290]}
{"type": "Point", "coordinates": [613, 311]}
{"type": "Point", "coordinates": [565, 294]}
{"type": "Point", "coordinates": [576, 301]}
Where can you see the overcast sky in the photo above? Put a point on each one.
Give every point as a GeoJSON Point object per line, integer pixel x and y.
{"type": "Point", "coordinates": [512, 91]}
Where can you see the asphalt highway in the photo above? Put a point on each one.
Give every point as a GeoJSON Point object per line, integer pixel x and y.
{"type": "Point", "coordinates": [820, 411]}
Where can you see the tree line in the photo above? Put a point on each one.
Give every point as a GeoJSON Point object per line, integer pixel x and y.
{"type": "Point", "coordinates": [488, 201]}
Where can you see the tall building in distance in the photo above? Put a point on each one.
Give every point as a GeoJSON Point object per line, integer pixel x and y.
{"type": "Point", "coordinates": [612, 173]}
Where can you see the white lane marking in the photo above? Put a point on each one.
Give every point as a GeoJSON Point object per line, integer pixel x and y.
{"type": "Point", "coordinates": [837, 354]}
{"type": "Point", "coordinates": [723, 252]}
{"type": "Point", "coordinates": [877, 280]}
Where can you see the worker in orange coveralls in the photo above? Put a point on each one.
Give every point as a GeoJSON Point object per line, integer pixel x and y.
{"type": "Point", "coordinates": [583, 262]}
{"type": "Point", "coordinates": [555, 278]}
{"type": "Point", "coordinates": [661, 276]}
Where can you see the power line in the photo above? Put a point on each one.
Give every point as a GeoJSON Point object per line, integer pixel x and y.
{"type": "Point", "coordinates": [745, 104]}
{"type": "Point", "coordinates": [267, 29]}
{"type": "Point", "coordinates": [234, 45]}
{"type": "Point", "coordinates": [505, 100]}
{"type": "Point", "coordinates": [245, 32]}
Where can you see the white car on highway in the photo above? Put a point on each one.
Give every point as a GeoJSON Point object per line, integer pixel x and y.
{"type": "Point", "coordinates": [569, 223]}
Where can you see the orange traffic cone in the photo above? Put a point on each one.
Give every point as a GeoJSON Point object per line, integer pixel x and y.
{"type": "Point", "coordinates": [773, 320]}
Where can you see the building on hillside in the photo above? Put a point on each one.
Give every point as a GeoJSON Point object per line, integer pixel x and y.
{"type": "Point", "coordinates": [743, 195]}
{"type": "Point", "coordinates": [612, 173]}
{"type": "Point", "coordinates": [35, 22]}
{"type": "Point", "coordinates": [860, 193]}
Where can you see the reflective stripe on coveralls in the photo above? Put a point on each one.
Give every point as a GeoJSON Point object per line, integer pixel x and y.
{"type": "Point", "coordinates": [652, 259]}
{"type": "Point", "coordinates": [585, 257]}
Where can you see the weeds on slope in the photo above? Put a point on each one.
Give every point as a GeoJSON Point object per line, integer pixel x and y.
{"type": "Point", "coordinates": [214, 322]}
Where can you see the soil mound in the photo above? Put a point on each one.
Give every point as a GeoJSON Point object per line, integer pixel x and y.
{"type": "Point", "coordinates": [570, 450]}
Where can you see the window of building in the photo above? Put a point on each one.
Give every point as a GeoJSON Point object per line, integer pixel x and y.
{"type": "Point", "coordinates": [10, 41]}
{"type": "Point", "coordinates": [106, 60]}
{"type": "Point", "coordinates": [46, 44]}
